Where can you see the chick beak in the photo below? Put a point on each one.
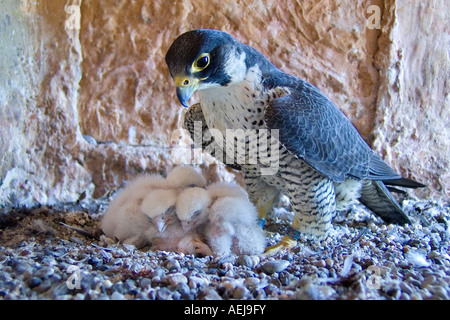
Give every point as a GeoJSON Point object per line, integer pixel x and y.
{"type": "Point", "coordinates": [186, 226]}
{"type": "Point", "coordinates": [160, 224]}
{"type": "Point", "coordinates": [186, 86]}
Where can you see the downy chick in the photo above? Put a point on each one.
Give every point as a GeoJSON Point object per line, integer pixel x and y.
{"type": "Point", "coordinates": [124, 219]}
{"type": "Point", "coordinates": [225, 189]}
{"type": "Point", "coordinates": [192, 210]}
{"type": "Point", "coordinates": [233, 228]}
{"type": "Point", "coordinates": [227, 222]}
{"type": "Point", "coordinates": [159, 207]}
{"type": "Point", "coordinates": [183, 177]}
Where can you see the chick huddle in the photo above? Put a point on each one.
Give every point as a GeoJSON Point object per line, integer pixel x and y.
{"type": "Point", "coordinates": [182, 213]}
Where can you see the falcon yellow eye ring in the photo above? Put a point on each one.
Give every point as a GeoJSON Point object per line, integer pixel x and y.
{"type": "Point", "coordinates": [201, 63]}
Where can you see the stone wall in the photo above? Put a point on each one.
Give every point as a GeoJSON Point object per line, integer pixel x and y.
{"type": "Point", "coordinates": [87, 102]}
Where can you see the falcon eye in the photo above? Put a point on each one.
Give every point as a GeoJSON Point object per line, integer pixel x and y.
{"type": "Point", "coordinates": [201, 63]}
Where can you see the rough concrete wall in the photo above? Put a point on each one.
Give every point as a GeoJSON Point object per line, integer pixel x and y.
{"type": "Point", "coordinates": [40, 153]}
{"type": "Point", "coordinates": [96, 69]}
{"type": "Point", "coordinates": [413, 106]}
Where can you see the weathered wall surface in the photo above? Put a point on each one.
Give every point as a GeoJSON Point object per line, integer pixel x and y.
{"type": "Point", "coordinates": [413, 107]}
{"type": "Point", "coordinates": [87, 101]}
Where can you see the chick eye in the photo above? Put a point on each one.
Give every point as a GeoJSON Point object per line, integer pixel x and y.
{"type": "Point", "coordinates": [202, 62]}
{"type": "Point", "coordinates": [196, 213]}
{"type": "Point", "coordinates": [169, 211]}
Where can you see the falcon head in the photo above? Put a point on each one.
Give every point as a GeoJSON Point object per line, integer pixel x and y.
{"type": "Point", "coordinates": [204, 59]}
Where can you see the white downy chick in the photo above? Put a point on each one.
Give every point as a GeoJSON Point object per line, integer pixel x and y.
{"type": "Point", "coordinates": [188, 242]}
{"type": "Point", "coordinates": [224, 189]}
{"type": "Point", "coordinates": [184, 177]}
{"type": "Point", "coordinates": [192, 208]}
{"type": "Point", "coordinates": [227, 222]}
{"type": "Point", "coordinates": [233, 228]}
{"type": "Point", "coordinates": [159, 207]}
{"type": "Point", "coordinates": [123, 219]}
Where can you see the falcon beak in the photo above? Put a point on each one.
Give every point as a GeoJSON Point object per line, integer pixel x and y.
{"type": "Point", "coordinates": [186, 86]}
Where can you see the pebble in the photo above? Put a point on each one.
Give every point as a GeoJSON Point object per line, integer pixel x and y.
{"type": "Point", "coordinates": [241, 292]}
{"type": "Point", "coordinates": [428, 281]}
{"type": "Point", "coordinates": [117, 296]}
{"type": "Point", "coordinates": [314, 292]}
{"type": "Point", "coordinates": [245, 261]}
{"type": "Point", "coordinates": [172, 265]}
{"type": "Point", "coordinates": [320, 263]}
{"type": "Point", "coordinates": [252, 283]}
{"type": "Point", "coordinates": [440, 292]}
{"type": "Point", "coordinates": [197, 282]}
{"type": "Point", "coordinates": [176, 279]}
{"type": "Point", "coordinates": [145, 282]}
{"type": "Point", "coordinates": [417, 259]}
{"type": "Point", "coordinates": [34, 282]}
{"type": "Point", "coordinates": [44, 272]}
{"type": "Point", "coordinates": [406, 288]}
{"type": "Point", "coordinates": [209, 294]}
{"type": "Point", "coordinates": [107, 284]}
{"type": "Point", "coordinates": [270, 267]}
{"type": "Point", "coordinates": [164, 294]}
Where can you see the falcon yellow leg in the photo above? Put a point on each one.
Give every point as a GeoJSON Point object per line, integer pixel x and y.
{"type": "Point", "coordinates": [263, 211]}
{"type": "Point", "coordinates": [285, 244]}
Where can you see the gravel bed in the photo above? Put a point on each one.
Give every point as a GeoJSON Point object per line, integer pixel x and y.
{"type": "Point", "coordinates": [43, 257]}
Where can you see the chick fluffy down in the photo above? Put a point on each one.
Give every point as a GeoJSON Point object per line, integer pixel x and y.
{"type": "Point", "coordinates": [233, 223]}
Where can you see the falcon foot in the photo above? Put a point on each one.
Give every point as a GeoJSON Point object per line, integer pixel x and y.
{"type": "Point", "coordinates": [285, 243]}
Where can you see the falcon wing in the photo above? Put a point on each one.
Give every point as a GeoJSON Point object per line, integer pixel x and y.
{"type": "Point", "coordinates": [312, 128]}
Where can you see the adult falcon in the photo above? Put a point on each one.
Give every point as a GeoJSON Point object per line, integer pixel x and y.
{"type": "Point", "coordinates": [323, 163]}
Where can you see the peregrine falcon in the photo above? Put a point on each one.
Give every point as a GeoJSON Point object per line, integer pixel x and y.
{"type": "Point", "coordinates": [323, 163]}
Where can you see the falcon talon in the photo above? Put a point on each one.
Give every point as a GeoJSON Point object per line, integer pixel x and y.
{"type": "Point", "coordinates": [286, 243]}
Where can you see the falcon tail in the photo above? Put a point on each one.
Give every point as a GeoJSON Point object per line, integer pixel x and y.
{"type": "Point", "coordinates": [376, 197]}
{"type": "Point", "coordinates": [403, 182]}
